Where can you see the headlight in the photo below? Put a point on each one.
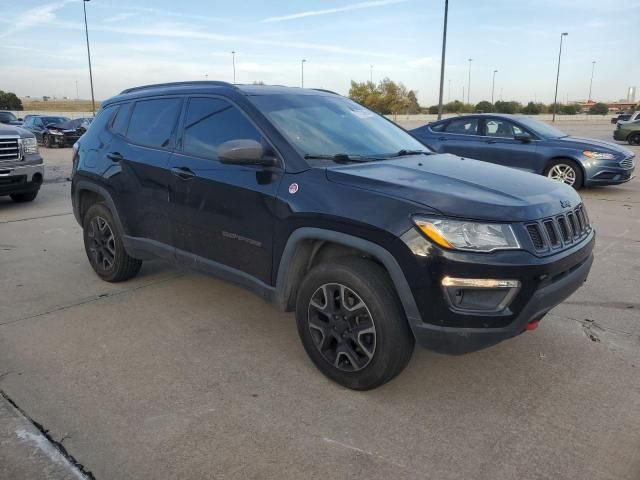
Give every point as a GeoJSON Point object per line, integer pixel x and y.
{"type": "Point", "coordinates": [55, 132]}
{"type": "Point", "coordinates": [29, 145]}
{"type": "Point", "coordinates": [598, 155]}
{"type": "Point", "coordinates": [473, 236]}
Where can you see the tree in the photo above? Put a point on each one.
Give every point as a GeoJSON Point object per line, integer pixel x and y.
{"type": "Point", "coordinates": [433, 109]}
{"type": "Point", "coordinates": [570, 109]}
{"type": "Point", "coordinates": [507, 107]}
{"type": "Point", "coordinates": [387, 97]}
{"type": "Point", "coordinates": [599, 109]}
{"type": "Point", "coordinates": [457, 107]}
{"type": "Point", "coordinates": [484, 106]}
{"type": "Point", "coordinates": [10, 101]}
{"type": "Point", "coordinates": [531, 109]}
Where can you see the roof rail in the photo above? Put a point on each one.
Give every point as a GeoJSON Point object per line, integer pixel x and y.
{"type": "Point", "coordinates": [212, 83]}
{"type": "Point", "coordinates": [325, 90]}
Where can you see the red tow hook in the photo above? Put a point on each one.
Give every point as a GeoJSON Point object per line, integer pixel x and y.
{"type": "Point", "coordinates": [532, 325]}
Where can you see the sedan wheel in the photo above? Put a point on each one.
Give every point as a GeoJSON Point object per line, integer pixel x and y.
{"type": "Point", "coordinates": [634, 139]}
{"type": "Point", "coordinates": [563, 173]}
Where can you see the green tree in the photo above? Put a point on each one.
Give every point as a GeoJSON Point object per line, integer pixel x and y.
{"type": "Point", "coordinates": [507, 107]}
{"type": "Point", "coordinates": [387, 97]}
{"type": "Point", "coordinates": [458, 107]}
{"type": "Point", "coordinates": [531, 109]}
{"type": "Point", "coordinates": [484, 106]}
{"type": "Point", "coordinates": [599, 109]}
{"type": "Point", "coordinates": [570, 109]}
{"type": "Point", "coordinates": [414, 106]}
{"type": "Point", "coordinates": [10, 101]}
{"type": "Point", "coordinates": [433, 109]}
{"type": "Point", "coordinates": [559, 108]}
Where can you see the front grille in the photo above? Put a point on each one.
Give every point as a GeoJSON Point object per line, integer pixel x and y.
{"type": "Point", "coordinates": [627, 162]}
{"type": "Point", "coordinates": [562, 230]}
{"type": "Point", "coordinates": [9, 149]}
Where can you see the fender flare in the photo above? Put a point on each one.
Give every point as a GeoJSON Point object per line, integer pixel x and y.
{"type": "Point", "coordinates": [284, 279]}
{"type": "Point", "coordinates": [104, 193]}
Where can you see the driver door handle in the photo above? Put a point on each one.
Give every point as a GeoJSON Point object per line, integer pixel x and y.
{"type": "Point", "coordinates": [183, 173]}
{"type": "Point", "coordinates": [115, 156]}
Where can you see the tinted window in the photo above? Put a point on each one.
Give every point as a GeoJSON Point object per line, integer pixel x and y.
{"type": "Point", "coordinates": [211, 122]}
{"type": "Point", "coordinates": [497, 127]}
{"type": "Point", "coordinates": [120, 122]}
{"type": "Point", "coordinates": [152, 121]}
{"type": "Point", "coordinates": [463, 126]}
{"type": "Point", "coordinates": [28, 122]}
{"type": "Point", "coordinates": [7, 117]}
{"type": "Point", "coordinates": [438, 127]}
{"type": "Point", "coordinates": [102, 119]}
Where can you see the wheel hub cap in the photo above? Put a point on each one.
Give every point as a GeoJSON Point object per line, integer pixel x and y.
{"type": "Point", "coordinates": [563, 173]}
{"type": "Point", "coordinates": [101, 243]}
{"type": "Point", "coordinates": [341, 327]}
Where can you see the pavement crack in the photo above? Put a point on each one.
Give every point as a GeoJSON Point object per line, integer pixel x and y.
{"type": "Point", "coordinates": [36, 218]}
{"type": "Point", "coordinates": [95, 298]}
{"type": "Point", "coordinates": [57, 445]}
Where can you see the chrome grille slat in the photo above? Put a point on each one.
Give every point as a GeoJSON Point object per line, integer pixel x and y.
{"type": "Point", "coordinates": [9, 149]}
{"type": "Point", "coordinates": [627, 162]}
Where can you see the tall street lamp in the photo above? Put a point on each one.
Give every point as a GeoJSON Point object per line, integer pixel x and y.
{"type": "Point", "coordinates": [233, 61]}
{"type": "Point", "coordinates": [493, 85]}
{"type": "Point", "coordinates": [371, 74]}
{"type": "Point", "coordinates": [593, 66]}
{"type": "Point", "coordinates": [469, 85]}
{"type": "Point", "coordinates": [555, 97]}
{"type": "Point", "coordinates": [444, 47]}
{"type": "Point", "coordinates": [86, 32]}
{"type": "Point", "coordinates": [302, 68]}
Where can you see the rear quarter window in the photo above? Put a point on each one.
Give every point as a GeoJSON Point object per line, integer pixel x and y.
{"type": "Point", "coordinates": [437, 127]}
{"type": "Point", "coordinates": [121, 119]}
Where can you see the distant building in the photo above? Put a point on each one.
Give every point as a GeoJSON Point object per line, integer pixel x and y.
{"type": "Point", "coordinates": [614, 106]}
{"type": "Point", "coordinates": [631, 94]}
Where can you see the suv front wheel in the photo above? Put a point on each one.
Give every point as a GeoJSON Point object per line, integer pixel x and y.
{"type": "Point", "coordinates": [351, 323]}
{"type": "Point", "coordinates": [104, 247]}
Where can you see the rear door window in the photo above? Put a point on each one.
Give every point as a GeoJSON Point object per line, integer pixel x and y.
{"type": "Point", "coordinates": [437, 127]}
{"type": "Point", "coordinates": [463, 126]}
{"type": "Point", "coordinates": [152, 121]}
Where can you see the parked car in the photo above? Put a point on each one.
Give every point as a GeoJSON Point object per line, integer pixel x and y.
{"type": "Point", "coordinates": [21, 166]}
{"type": "Point", "coordinates": [521, 142]}
{"type": "Point", "coordinates": [9, 118]}
{"type": "Point", "coordinates": [620, 117]}
{"type": "Point", "coordinates": [635, 116]}
{"type": "Point", "coordinates": [48, 132]}
{"type": "Point", "coordinates": [324, 207]}
{"type": "Point", "coordinates": [628, 132]}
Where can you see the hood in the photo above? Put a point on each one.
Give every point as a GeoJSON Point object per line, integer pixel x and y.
{"type": "Point", "coordinates": [460, 187]}
{"type": "Point", "coordinates": [14, 130]}
{"type": "Point", "coordinates": [592, 144]}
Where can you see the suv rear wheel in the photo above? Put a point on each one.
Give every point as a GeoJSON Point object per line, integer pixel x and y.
{"type": "Point", "coordinates": [104, 247]}
{"type": "Point", "coordinates": [351, 323]}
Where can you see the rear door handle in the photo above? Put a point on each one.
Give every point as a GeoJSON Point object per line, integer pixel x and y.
{"type": "Point", "coordinates": [115, 156]}
{"type": "Point", "coordinates": [491, 141]}
{"type": "Point", "coordinates": [442, 139]}
{"type": "Point", "coordinates": [183, 173]}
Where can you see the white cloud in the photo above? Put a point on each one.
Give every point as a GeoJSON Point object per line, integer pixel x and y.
{"type": "Point", "coordinates": [346, 8]}
{"type": "Point", "coordinates": [34, 17]}
{"type": "Point", "coordinates": [119, 17]}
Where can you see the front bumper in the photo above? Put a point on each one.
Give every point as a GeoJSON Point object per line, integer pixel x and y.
{"type": "Point", "coordinates": [65, 140]}
{"type": "Point", "coordinates": [21, 178]}
{"type": "Point", "coordinates": [608, 173]}
{"type": "Point", "coordinates": [546, 282]}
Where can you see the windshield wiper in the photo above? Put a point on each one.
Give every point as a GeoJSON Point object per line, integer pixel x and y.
{"type": "Point", "coordinates": [405, 153]}
{"type": "Point", "coordinates": [338, 157]}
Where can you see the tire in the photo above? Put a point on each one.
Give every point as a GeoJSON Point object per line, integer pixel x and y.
{"type": "Point", "coordinates": [47, 141]}
{"type": "Point", "coordinates": [24, 197]}
{"type": "Point", "coordinates": [104, 247]}
{"type": "Point", "coordinates": [567, 169]}
{"type": "Point", "coordinates": [377, 342]}
{"type": "Point", "coordinates": [634, 139]}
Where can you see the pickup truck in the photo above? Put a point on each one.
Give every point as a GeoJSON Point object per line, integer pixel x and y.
{"type": "Point", "coordinates": [21, 166]}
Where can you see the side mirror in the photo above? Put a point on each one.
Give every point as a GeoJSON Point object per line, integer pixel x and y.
{"type": "Point", "coordinates": [245, 152]}
{"type": "Point", "coordinates": [20, 119]}
{"type": "Point", "coordinates": [523, 137]}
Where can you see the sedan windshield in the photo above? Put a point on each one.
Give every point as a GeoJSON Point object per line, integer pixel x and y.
{"type": "Point", "coordinates": [542, 129]}
{"type": "Point", "coordinates": [54, 120]}
{"type": "Point", "coordinates": [331, 125]}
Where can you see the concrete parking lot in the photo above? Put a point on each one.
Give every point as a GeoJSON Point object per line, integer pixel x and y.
{"type": "Point", "coordinates": [177, 375]}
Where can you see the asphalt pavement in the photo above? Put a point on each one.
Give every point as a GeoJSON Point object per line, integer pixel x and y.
{"type": "Point", "coordinates": [177, 375]}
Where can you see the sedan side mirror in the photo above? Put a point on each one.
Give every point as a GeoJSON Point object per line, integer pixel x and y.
{"type": "Point", "coordinates": [245, 152]}
{"type": "Point", "coordinates": [523, 137]}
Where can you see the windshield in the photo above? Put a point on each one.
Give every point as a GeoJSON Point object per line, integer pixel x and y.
{"type": "Point", "coordinates": [54, 120]}
{"type": "Point", "coordinates": [330, 125]}
{"type": "Point", "coordinates": [542, 129]}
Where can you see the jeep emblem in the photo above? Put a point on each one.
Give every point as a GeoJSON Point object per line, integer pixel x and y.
{"type": "Point", "coordinates": [565, 203]}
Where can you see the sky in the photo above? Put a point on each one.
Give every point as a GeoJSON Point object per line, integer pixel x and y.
{"type": "Point", "coordinates": [43, 50]}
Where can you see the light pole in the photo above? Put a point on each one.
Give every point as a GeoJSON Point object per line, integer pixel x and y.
{"type": "Point", "coordinates": [444, 47]}
{"type": "Point", "coordinates": [233, 61]}
{"type": "Point", "coordinates": [469, 85]}
{"type": "Point", "coordinates": [86, 32]}
{"type": "Point", "coordinates": [302, 68]}
{"type": "Point", "coordinates": [493, 85]}
{"type": "Point", "coordinates": [449, 92]}
{"type": "Point", "coordinates": [371, 74]}
{"type": "Point", "coordinates": [555, 97]}
{"type": "Point", "coordinates": [77, 96]}
{"type": "Point", "coordinates": [593, 66]}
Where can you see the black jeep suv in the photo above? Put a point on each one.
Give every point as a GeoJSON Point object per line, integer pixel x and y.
{"type": "Point", "coordinates": [326, 208]}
